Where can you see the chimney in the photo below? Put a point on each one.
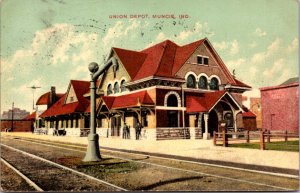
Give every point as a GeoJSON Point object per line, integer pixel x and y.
{"type": "Point", "coordinates": [52, 97]}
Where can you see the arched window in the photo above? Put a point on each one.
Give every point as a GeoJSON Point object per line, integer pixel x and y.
{"type": "Point", "coordinates": [116, 87]}
{"type": "Point", "coordinates": [214, 84]}
{"type": "Point", "coordinates": [191, 81]}
{"type": "Point", "coordinates": [172, 101]}
{"type": "Point", "coordinates": [109, 89]}
{"type": "Point", "coordinates": [123, 88]}
{"type": "Point", "coordinates": [202, 82]}
{"type": "Point", "coordinates": [228, 117]}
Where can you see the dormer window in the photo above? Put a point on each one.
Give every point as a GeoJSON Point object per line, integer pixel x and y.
{"type": "Point", "coordinates": [202, 60]}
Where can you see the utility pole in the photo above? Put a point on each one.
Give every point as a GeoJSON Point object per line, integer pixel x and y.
{"type": "Point", "coordinates": [12, 117]}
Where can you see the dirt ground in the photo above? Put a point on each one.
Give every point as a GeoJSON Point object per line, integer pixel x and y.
{"type": "Point", "coordinates": [134, 175]}
{"type": "Point", "coordinates": [11, 181]}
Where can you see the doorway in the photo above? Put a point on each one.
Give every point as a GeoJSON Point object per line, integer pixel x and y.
{"type": "Point", "coordinates": [172, 114]}
{"type": "Point", "coordinates": [212, 122]}
{"type": "Point", "coordinates": [115, 126]}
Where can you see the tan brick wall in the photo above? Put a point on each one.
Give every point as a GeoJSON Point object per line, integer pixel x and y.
{"type": "Point", "coordinates": [151, 121]}
{"type": "Point", "coordinates": [109, 77]}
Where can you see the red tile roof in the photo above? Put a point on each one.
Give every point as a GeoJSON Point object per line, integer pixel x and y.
{"type": "Point", "coordinates": [131, 60]}
{"type": "Point", "coordinates": [31, 116]}
{"type": "Point", "coordinates": [202, 102]}
{"type": "Point", "coordinates": [60, 108]}
{"type": "Point", "coordinates": [164, 59]}
{"type": "Point", "coordinates": [44, 99]}
{"type": "Point", "coordinates": [239, 83]}
{"type": "Point", "coordinates": [128, 100]}
{"type": "Point", "coordinates": [248, 114]}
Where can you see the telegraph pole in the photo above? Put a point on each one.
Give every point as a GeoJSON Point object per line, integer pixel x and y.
{"type": "Point", "coordinates": [12, 117]}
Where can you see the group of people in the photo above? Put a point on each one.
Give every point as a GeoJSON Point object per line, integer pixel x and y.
{"type": "Point", "coordinates": [138, 131]}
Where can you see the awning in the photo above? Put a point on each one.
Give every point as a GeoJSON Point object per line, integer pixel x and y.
{"type": "Point", "coordinates": [205, 102]}
{"type": "Point", "coordinates": [141, 98]}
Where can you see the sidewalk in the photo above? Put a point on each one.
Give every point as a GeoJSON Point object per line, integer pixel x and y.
{"type": "Point", "coordinates": [199, 149]}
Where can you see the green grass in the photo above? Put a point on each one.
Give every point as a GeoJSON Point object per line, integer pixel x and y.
{"type": "Point", "coordinates": [278, 145]}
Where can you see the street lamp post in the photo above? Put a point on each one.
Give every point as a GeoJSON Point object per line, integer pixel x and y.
{"type": "Point", "coordinates": [93, 151]}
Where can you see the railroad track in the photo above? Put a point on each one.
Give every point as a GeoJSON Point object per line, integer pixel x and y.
{"type": "Point", "coordinates": [45, 175]}
{"type": "Point", "coordinates": [153, 164]}
{"type": "Point", "coordinates": [294, 174]}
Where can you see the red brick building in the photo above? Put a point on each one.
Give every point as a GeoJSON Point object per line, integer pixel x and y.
{"type": "Point", "coordinates": [280, 106]}
{"type": "Point", "coordinates": [67, 111]}
{"type": "Point", "coordinates": [173, 91]}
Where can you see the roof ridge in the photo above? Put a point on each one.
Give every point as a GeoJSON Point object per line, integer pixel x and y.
{"type": "Point", "coordinates": [163, 53]}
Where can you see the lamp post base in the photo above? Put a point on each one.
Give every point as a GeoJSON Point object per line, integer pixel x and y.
{"type": "Point", "coordinates": [93, 152]}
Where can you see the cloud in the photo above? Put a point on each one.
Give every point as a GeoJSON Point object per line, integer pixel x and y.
{"type": "Point", "coordinates": [259, 32]}
{"type": "Point", "coordinates": [119, 31]}
{"type": "Point", "coordinates": [293, 46]}
{"type": "Point", "coordinates": [253, 44]}
{"type": "Point", "coordinates": [277, 67]}
{"type": "Point", "coordinates": [263, 56]}
{"type": "Point", "coordinates": [220, 45]}
{"type": "Point", "coordinates": [233, 46]}
{"type": "Point", "coordinates": [232, 64]}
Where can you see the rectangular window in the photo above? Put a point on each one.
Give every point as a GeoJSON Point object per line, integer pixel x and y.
{"type": "Point", "coordinates": [205, 60]}
{"type": "Point", "coordinates": [71, 99]}
{"type": "Point", "coordinates": [202, 60]}
{"type": "Point", "coordinates": [199, 59]}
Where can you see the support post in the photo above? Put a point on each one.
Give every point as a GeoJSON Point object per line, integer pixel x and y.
{"type": "Point", "coordinates": [225, 138]}
{"type": "Point", "coordinates": [248, 136]}
{"type": "Point", "coordinates": [269, 136]}
{"type": "Point", "coordinates": [206, 134]}
{"type": "Point", "coordinates": [262, 140]}
{"type": "Point", "coordinates": [215, 138]}
{"type": "Point", "coordinates": [285, 136]}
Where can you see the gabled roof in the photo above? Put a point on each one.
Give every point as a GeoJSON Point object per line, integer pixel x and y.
{"type": "Point", "coordinates": [203, 102]}
{"type": "Point", "coordinates": [248, 114]}
{"type": "Point", "coordinates": [291, 81]}
{"type": "Point", "coordinates": [164, 60]}
{"type": "Point", "coordinates": [60, 108]}
{"type": "Point", "coordinates": [31, 116]}
{"type": "Point", "coordinates": [239, 83]}
{"type": "Point", "coordinates": [44, 98]}
{"type": "Point", "coordinates": [128, 100]}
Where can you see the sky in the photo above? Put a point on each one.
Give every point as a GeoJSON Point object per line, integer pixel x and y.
{"type": "Point", "coordinates": [49, 42]}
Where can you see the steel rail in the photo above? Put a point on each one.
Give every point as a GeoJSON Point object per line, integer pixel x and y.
{"type": "Point", "coordinates": [63, 167]}
{"type": "Point", "coordinates": [30, 182]}
{"type": "Point", "coordinates": [179, 169]}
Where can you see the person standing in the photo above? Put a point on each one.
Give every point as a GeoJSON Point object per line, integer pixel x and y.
{"type": "Point", "coordinates": [127, 131]}
{"type": "Point", "coordinates": [124, 131]}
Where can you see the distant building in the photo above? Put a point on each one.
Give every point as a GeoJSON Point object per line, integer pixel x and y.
{"type": "Point", "coordinates": [280, 106]}
{"type": "Point", "coordinates": [255, 107]}
{"type": "Point", "coordinates": [17, 114]}
{"type": "Point", "coordinates": [14, 121]}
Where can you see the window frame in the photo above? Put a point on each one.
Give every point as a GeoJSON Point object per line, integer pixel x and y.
{"type": "Point", "coordinates": [202, 60]}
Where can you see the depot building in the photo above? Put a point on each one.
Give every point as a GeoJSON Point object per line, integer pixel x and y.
{"type": "Point", "coordinates": [175, 92]}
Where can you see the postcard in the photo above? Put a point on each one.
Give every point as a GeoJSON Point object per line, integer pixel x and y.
{"type": "Point", "coordinates": [131, 95]}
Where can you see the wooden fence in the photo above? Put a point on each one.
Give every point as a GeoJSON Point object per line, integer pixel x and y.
{"type": "Point", "coordinates": [262, 137]}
